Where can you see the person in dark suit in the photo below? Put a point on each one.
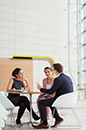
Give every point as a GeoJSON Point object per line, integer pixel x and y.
{"type": "Point", "coordinates": [62, 85]}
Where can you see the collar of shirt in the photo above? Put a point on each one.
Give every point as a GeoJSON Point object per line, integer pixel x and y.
{"type": "Point", "coordinates": [58, 75]}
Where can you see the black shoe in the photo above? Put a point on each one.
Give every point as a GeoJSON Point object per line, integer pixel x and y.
{"type": "Point", "coordinates": [35, 117]}
{"type": "Point", "coordinates": [18, 122]}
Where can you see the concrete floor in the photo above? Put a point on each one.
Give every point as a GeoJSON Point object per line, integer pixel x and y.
{"type": "Point", "coordinates": [68, 117]}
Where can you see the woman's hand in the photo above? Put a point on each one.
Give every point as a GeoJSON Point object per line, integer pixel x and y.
{"type": "Point", "coordinates": [38, 86]}
{"type": "Point", "coordinates": [26, 84]}
{"type": "Point", "coordinates": [49, 97]}
{"type": "Point", "coordinates": [14, 90]}
{"type": "Point", "coordinates": [24, 79]}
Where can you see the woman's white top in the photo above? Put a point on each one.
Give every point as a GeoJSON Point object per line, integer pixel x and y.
{"type": "Point", "coordinates": [48, 86]}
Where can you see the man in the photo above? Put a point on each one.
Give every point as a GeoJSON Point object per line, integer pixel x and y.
{"type": "Point", "coordinates": [62, 85]}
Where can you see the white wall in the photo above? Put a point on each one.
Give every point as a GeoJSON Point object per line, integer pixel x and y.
{"type": "Point", "coordinates": [37, 27]}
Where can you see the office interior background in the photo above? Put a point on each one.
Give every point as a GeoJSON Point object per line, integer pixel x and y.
{"type": "Point", "coordinates": [52, 28]}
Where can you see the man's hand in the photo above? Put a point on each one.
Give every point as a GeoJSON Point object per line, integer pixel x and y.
{"type": "Point", "coordinates": [38, 86]}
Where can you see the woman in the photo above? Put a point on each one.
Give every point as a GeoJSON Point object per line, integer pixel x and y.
{"type": "Point", "coordinates": [15, 84]}
{"type": "Point", "coordinates": [47, 83]}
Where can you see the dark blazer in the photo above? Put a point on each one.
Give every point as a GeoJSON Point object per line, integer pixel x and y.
{"type": "Point", "coordinates": [62, 85]}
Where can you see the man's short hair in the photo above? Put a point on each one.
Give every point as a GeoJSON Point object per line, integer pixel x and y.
{"type": "Point", "coordinates": [58, 67]}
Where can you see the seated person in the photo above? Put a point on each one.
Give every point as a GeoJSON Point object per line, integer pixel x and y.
{"type": "Point", "coordinates": [62, 85]}
{"type": "Point", "coordinates": [14, 85]}
{"type": "Point", "coordinates": [47, 84]}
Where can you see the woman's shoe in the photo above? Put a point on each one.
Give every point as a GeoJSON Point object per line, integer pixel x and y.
{"type": "Point", "coordinates": [18, 122]}
{"type": "Point", "coordinates": [35, 117]}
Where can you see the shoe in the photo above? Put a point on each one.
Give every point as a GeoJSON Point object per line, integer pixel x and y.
{"type": "Point", "coordinates": [35, 117]}
{"type": "Point", "coordinates": [41, 126]}
{"type": "Point", "coordinates": [57, 122]}
{"type": "Point", "coordinates": [18, 122]}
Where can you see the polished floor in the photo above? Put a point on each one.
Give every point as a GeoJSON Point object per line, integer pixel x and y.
{"type": "Point", "coordinates": [68, 123]}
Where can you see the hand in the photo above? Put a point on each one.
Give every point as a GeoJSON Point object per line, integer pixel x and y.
{"type": "Point", "coordinates": [38, 86]}
{"type": "Point", "coordinates": [14, 90]}
{"type": "Point", "coordinates": [24, 79]}
{"type": "Point", "coordinates": [49, 97]}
